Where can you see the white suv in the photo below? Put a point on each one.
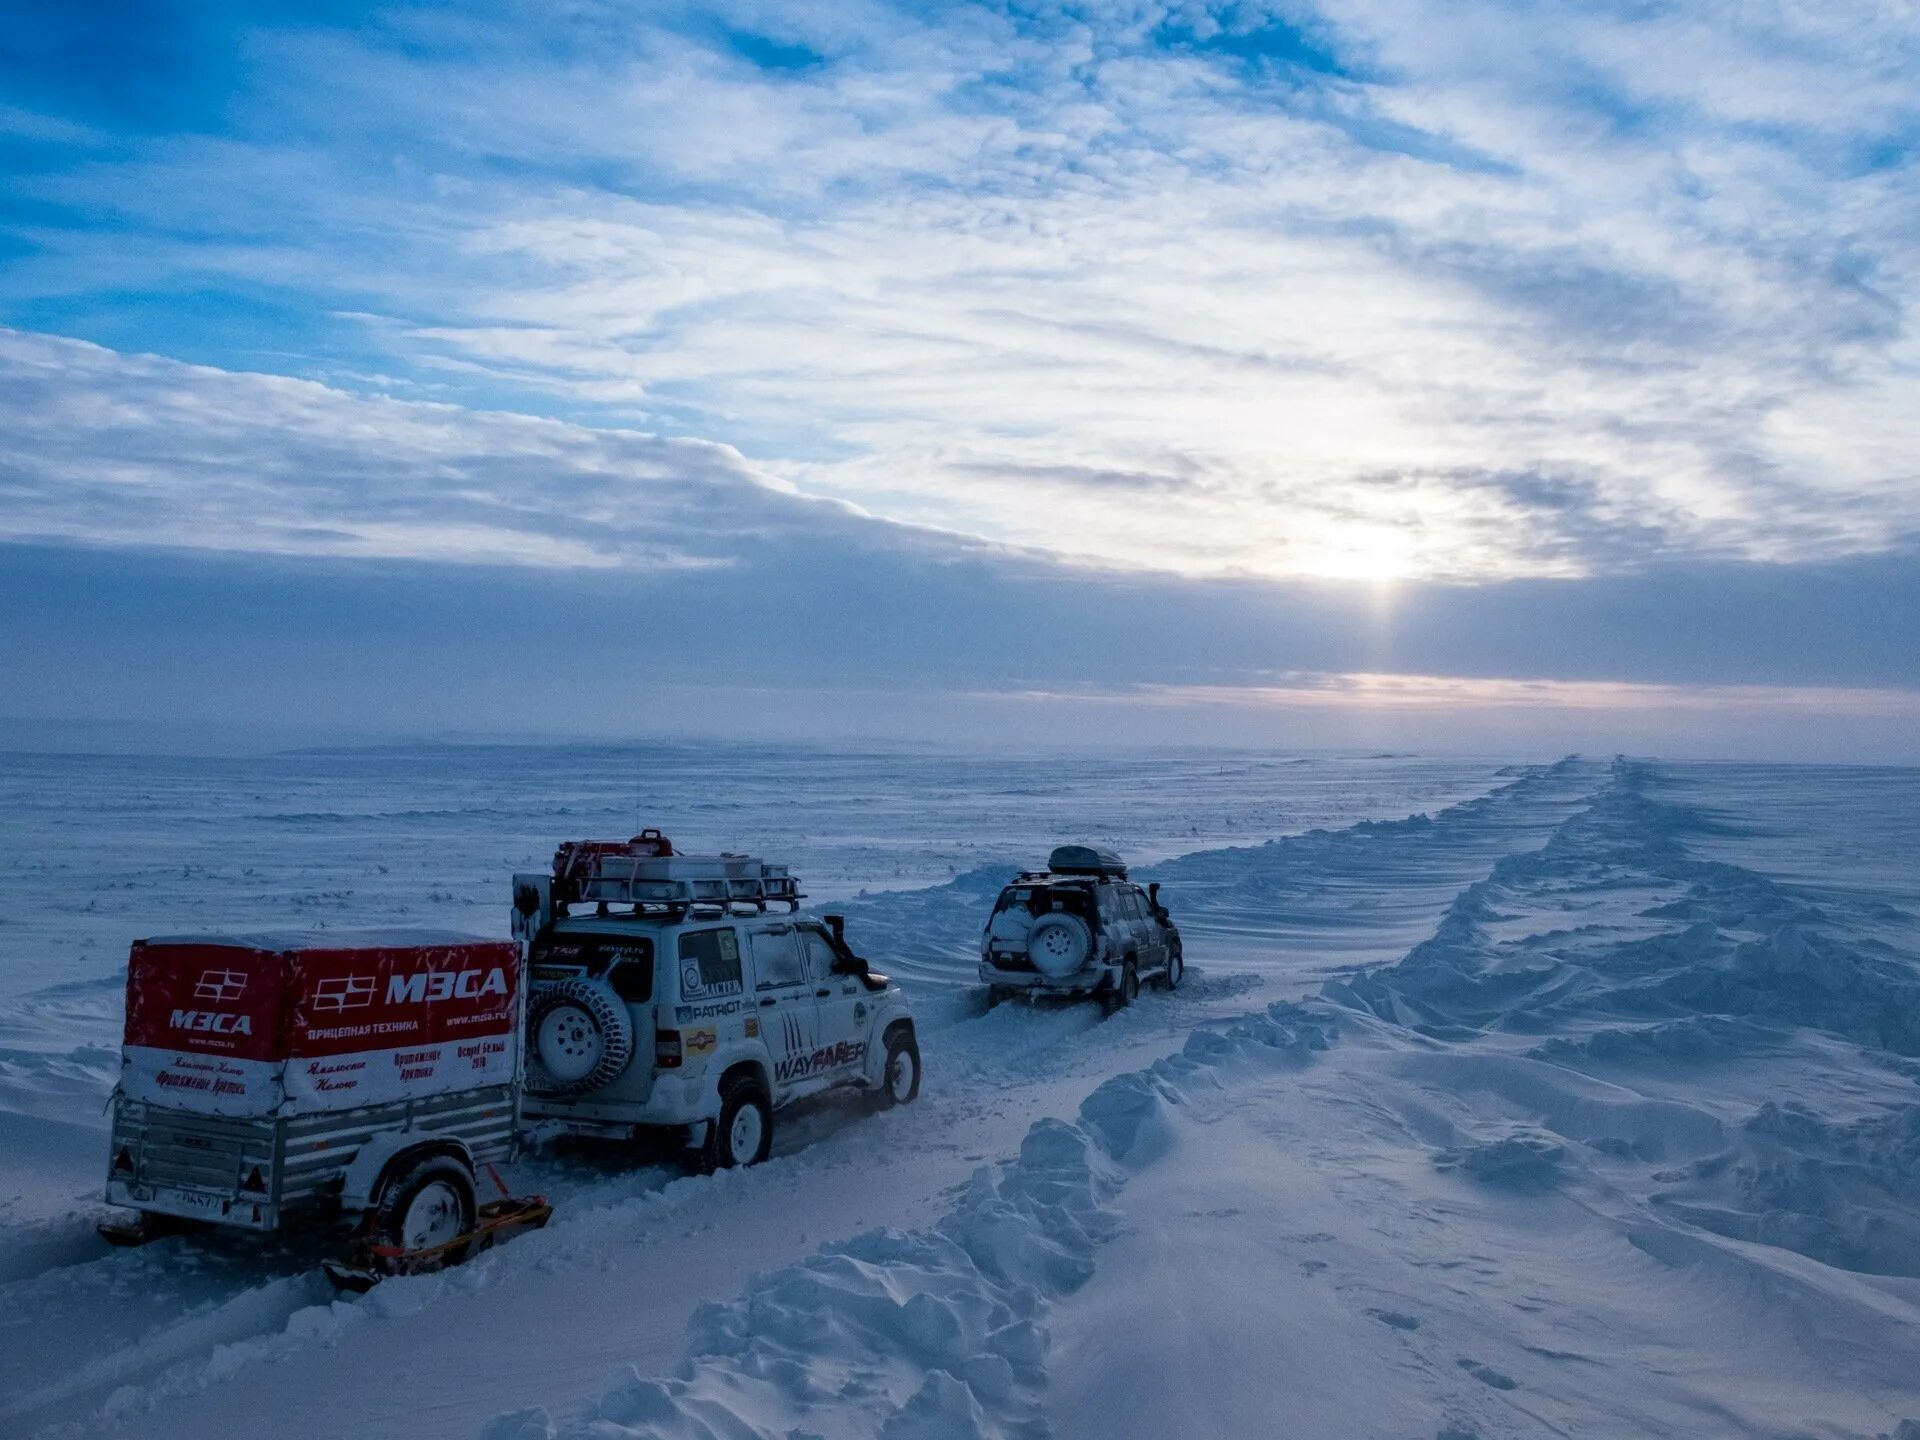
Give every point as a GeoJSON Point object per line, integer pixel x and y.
{"type": "Point", "coordinates": [701, 1019]}
{"type": "Point", "coordinates": [1079, 927]}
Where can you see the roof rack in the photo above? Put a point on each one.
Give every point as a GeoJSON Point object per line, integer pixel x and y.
{"type": "Point", "coordinates": [646, 871]}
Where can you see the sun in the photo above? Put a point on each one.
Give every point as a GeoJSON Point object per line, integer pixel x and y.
{"type": "Point", "coordinates": [1376, 554]}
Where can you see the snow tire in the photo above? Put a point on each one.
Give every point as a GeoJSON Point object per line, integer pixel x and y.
{"type": "Point", "coordinates": [729, 1134]}
{"type": "Point", "coordinates": [902, 1049]}
{"type": "Point", "coordinates": [442, 1180]}
{"type": "Point", "coordinates": [1059, 944]}
{"type": "Point", "coordinates": [579, 1021]}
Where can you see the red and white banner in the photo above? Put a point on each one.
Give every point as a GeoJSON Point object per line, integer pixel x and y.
{"type": "Point", "coordinates": [236, 1028]}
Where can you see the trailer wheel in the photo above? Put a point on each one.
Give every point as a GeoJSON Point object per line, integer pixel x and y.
{"type": "Point", "coordinates": [427, 1203]}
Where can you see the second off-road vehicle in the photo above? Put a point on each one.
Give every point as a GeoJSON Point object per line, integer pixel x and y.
{"type": "Point", "coordinates": [665, 994]}
{"type": "Point", "coordinates": [1079, 927]}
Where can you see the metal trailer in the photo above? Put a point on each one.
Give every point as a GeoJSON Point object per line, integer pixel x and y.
{"type": "Point", "coordinates": [364, 1077]}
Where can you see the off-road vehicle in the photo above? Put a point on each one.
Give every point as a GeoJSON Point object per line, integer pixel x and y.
{"type": "Point", "coordinates": [1079, 927]}
{"type": "Point", "coordinates": [665, 994]}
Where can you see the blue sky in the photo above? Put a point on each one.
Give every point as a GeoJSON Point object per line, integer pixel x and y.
{"type": "Point", "coordinates": [1399, 372]}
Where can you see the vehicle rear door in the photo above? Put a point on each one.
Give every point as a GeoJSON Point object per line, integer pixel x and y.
{"type": "Point", "coordinates": [841, 1003]}
{"type": "Point", "coordinates": [789, 1014]}
{"type": "Point", "coordinates": [1153, 940]}
{"type": "Point", "coordinates": [1116, 929]}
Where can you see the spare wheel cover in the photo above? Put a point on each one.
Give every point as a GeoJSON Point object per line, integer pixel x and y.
{"type": "Point", "coordinates": [1059, 944]}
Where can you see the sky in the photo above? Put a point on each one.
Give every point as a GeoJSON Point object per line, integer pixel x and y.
{"type": "Point", "coordinates": [1465, 375]}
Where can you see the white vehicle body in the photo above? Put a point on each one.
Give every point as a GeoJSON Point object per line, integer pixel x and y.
{"type": "Point", "coordinates": [1079, 928]}
{"type": "Point", "coordinates": [651, 1017]}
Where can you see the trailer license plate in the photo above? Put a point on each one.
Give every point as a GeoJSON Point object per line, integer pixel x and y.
{"type": "Point", "coordinates": [188, 1202]}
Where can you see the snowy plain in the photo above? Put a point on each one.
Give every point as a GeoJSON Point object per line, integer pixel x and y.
{"type": "Point", "coordinates": [1502, 1098]}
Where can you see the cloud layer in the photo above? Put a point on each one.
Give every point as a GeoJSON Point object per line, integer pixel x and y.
{"type": "Point", "coordinates": [1348, 289]}
{"type": "Point", "coordinates": [140, 450]}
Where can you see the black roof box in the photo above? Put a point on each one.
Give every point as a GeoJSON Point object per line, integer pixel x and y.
{"type": "Point", "coordinates": [1085, 860]}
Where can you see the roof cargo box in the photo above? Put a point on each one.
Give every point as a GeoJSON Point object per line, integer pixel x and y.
{"type": "Point", "coordinates": [1085, 860]}
{"type": "Point", "coordinates": [284, 1024]}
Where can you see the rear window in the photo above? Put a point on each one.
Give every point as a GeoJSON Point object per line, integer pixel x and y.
{"type": "Point", "coordinates": [709, 963]}
{"type": "Point", "coordinates": [1014, 895]}
{"type": "Point", "coordinates": [625, 961]}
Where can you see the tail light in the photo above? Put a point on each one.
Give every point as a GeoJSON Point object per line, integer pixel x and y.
{"type": "Point", "coordinates": [123, 1161]}
{"type": "Point", "coordinates": [667, 1050]}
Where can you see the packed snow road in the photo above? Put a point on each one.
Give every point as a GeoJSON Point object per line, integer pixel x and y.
{"type": "Point", "coordinates": [1553, 1111]}
{"type": "Point", "coordinates": [1625, 1147]}
{"type": "Point", "coordinates": [186, 1336]}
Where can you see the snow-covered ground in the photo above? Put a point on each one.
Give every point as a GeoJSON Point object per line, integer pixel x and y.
{"type": "Point", "coordinates": [1582, 1102]}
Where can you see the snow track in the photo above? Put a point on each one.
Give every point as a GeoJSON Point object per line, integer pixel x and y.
{"type": "Point", "coordinates": [1563, 1125]}
{"type": "Point", "coordinates": [1396, 1209]}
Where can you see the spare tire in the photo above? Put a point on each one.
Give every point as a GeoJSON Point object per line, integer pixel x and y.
{"type": "Point", "coordinates": [579, 1037]}
{"type": "Point", "coordinates": [1059, 944]}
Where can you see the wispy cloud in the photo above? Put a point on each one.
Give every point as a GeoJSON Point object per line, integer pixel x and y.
{"type": "Point", "coordinates": [99, 447]}
{"type": "Point", "coordinates": [1457, 694]}
{"type": "Point", "coordinates": [1358, 288]}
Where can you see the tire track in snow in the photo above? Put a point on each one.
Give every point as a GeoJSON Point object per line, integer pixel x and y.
{"type": "Point", "coordinates": [944, 1331]}
{"type": "Point", "coordinates": [986, 1078]}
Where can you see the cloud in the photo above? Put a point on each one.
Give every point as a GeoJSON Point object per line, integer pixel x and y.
{"type": "Point", "coordinates": [102, 448]}
{"type": "Point", "coordinates": [1359, 289]}
{"type": "Point", "coordinates": [1455, 694]}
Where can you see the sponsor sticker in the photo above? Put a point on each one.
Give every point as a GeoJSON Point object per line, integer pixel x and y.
{"type": "Point", "coordinates": [815, 1062]}
{"type": "Point", "coordinates": [699, 1042]}
{"type": "Point", "coordinates": [753, 1027]}
{"type": "Point", "coordinates": [712, 1010]}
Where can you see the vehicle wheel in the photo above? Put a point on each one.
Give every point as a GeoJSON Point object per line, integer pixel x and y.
{"type": "Point", "coordinates": [1176, 969]}
{"type": "Point", "coordinates": [900, 1082]}
{"type": "Point", "coordinates": [743, 1133]}
{"type": "Point", "coordinates": [429, 1202]}
{"type": "Point", "coordinates": [579, 1038]}
{"type": "Point", "coordinates": [1059, 944]}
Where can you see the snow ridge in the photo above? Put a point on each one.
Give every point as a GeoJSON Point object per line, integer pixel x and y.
{"type": "Point", "coordinates": [936, 1333]}
{"type": "Point", "coordinates": [1719, 970]}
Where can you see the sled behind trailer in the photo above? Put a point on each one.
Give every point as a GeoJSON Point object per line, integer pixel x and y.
{"type": "Point", "coordinates": [372, 1260]}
